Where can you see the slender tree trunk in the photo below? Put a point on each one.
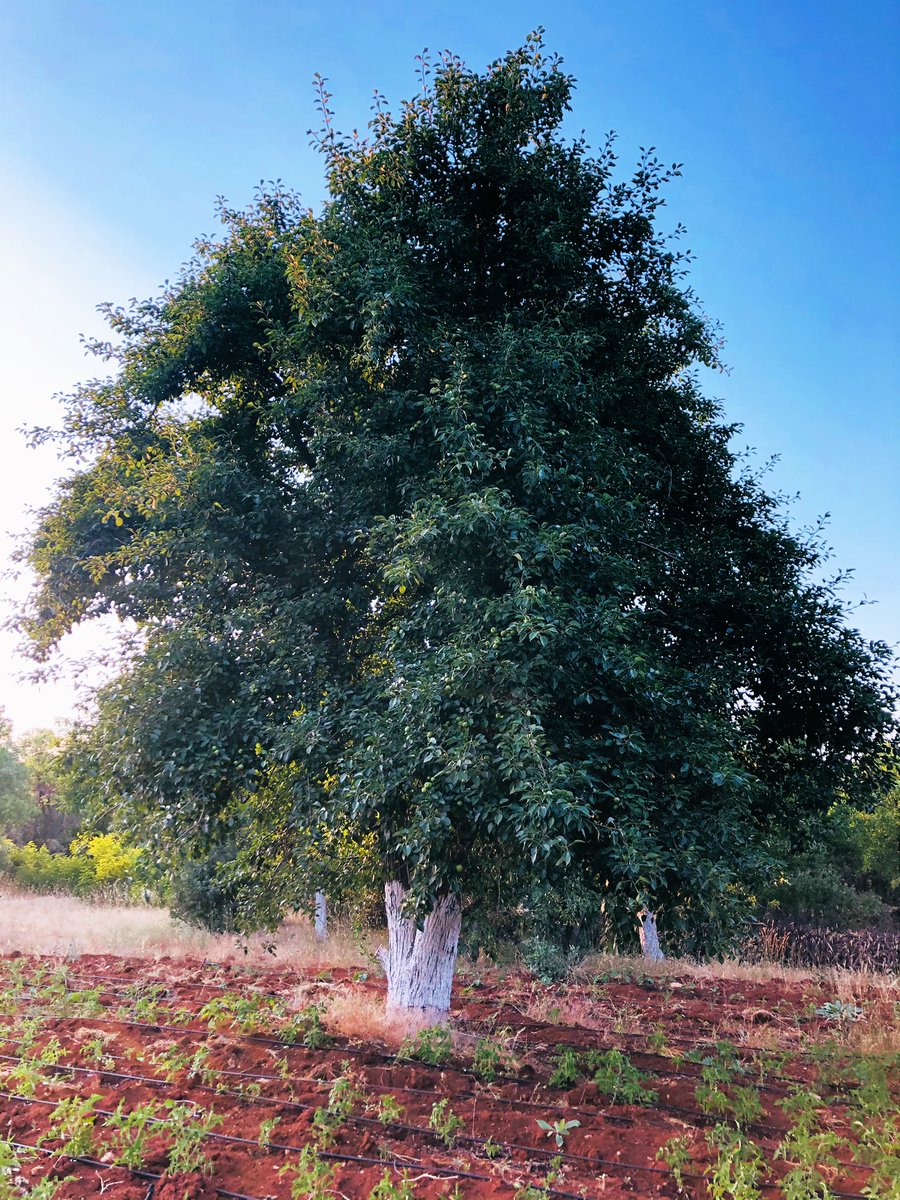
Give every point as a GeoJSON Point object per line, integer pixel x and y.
{"type": "Point", "coordinates": [649, 936]}
{"type": "Point", "coordinates": [419, 963]}
{"type": "Point", "coordinates": [321, 917]}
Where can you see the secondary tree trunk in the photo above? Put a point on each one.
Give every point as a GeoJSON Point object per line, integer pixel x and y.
{"type": "Point", "coordinates": [321, 917]}
{"type": "Point", "coordinates": [649, 936]}
{"type": "Point", "coordinates": [419, 963]}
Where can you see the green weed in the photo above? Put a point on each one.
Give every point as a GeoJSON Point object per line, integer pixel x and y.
{"type": "Point", "coordinates": [72, 1123]}
{"type": "Point", "coordinates": [445, 1123]}
{"type": "Point", "coordinates": [433, 1045]}
{"type": "Point", "coordinates": [617, 1077]}
{"type": "Point", "coordinates": [312, 1178]}
{"type": "Point", "coordinates": [676, 1154]}
{"type": "Point", "coordinates": [132, 1131]}
{"type": "Point", "coordinates": [566, 1073]}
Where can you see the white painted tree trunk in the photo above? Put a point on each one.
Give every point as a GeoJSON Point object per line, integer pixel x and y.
{"type": "Point", "coordinates": [649, 936]}
{"type": "Point", "coordinates": [321, 917]}
{"type": "Point", "coordinates": [419, 963]}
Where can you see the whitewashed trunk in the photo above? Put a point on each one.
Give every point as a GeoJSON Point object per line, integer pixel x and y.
{"type": "Point", "coordinates": [419, 963]}
{"type": "Point", "coordinates": [321, 917]}
{"type": "Point", "coordinates": [649, 936]}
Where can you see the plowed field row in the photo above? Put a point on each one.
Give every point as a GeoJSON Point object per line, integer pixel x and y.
{"type": "Point", "coordinates": [228, 1085]}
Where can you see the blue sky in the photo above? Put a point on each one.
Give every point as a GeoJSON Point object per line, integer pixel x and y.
{"type": "Point", "coordinates": [123, 121]}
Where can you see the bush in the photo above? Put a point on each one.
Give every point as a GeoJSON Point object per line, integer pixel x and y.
{"type": "Point", "coordinates": [37, 869]}
{"type": "Point", "coordinates": [552, 927]}
{"type": "Point", "coordinates": [877, 835]}
{"type": "Point", "coordinates": [817, 894]}
{"type": "Point", "coordinates": [114, 862]}
{"type": "Point", "coordinates": [546, 959]}
{"type": "Point", "coordinates": [94, 864]}
{"type": "Point", "coordinates": [202, 897]}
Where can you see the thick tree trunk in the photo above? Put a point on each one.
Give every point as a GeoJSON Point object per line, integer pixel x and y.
{"type": "Point", "coordinates": [649, 936]}
{"type": "Point", "coordinates": [419, 963]}
{"type": "Point", "coordinates": [321, 917]}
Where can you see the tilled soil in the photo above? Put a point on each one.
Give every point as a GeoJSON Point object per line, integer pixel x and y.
{"type": "Point", "coordinates": [136, 1033]}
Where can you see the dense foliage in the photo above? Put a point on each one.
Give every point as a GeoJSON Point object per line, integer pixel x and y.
{"type": "Point", "coordinates": [417, 499]}
{"type": "Point", "coordinates": [16, 798]}
{"type": "Point", "coordinates": [847, 873]}
{"type": "Point", "coordinates": [98, 864]}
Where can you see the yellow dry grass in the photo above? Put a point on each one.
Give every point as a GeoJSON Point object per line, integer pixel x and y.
{"type": "Point", "coordinates": [845, 983]}
{"type": "Point", "coordinates": [69, 927]}
{"type": "Point", "coordinates": [362, 1015]}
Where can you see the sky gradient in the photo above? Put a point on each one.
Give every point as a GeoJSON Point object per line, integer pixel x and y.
{"type": "Point", "coordinates": [123, 122]}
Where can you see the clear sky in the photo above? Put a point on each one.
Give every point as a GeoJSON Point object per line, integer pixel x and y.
{"type": "Point", "coordinates": [122, 122]}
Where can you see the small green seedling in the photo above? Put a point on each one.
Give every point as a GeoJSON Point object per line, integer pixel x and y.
{"type": "Point", "coordinates": [389, 1110]}
{"type": "Point", "coordinates": [388, 1189]}
{"type": "Point", "coordinates": [186, 1128]}
{"type": "Point", "coordinates": [676, 1154]}
{"type": "Point", "coordinates": [565, 1073]}
{"type": "Point", "coordinates": [490, 1058]}
{"type": "Point", "coordinates": [73, 1123]}
{"type": "Point", "coordinates": [312, 1178]}
{"type": "Point", "coordinates": [132, 1130]}
{"type": "Point", "coordinates": [433, 1046]}
{"type": "Point", "coordinates": [445, 1123]}
{"type": "Point", "coordinates": [266, 1129]}
{"type": "Point", "coordinates": [837, 1010]}
{"type": "Point", "coordinates": [558, 1130]}
{"type": "Point", "coordinates": [345, 1093]}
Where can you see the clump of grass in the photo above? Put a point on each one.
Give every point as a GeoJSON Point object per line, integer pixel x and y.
{"type": "Point", "coordinates": [357, 1013]}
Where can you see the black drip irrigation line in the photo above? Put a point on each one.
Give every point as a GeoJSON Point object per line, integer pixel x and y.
{"type": "Point", "coordinates": [415, 1164]}
{"type": "Point", "coordinates": [258, 1039]}
{"type": "Point", "coordinates": [138, 1172]}
{"type": "Point", "coordinates": [172, 985]}
{"type": "Point", "coordinates": [703, 1119]}
{"type": "Point", "coordinates": [535, 1026]}
{"type": "Point", "coordinates": [699, 1119]}
{"type": "Point", "coordinates": [396, 1058]}
{"type": "Point", "coordinates": [681, 1039]}
{"type": "Point", "coordinates": [397, 1163]}
{"type": "Point", "coordinates": [509, 1101]}
{"type": "Point", "coordinates": [696, 1043]}
{"type": "Point", "coordinates": [367, 1122]}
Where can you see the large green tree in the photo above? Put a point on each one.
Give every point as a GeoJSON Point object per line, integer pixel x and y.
{"type": "Point", "coordinates": [415, 502]}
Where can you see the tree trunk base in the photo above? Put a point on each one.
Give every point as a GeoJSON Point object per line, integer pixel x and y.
{"type": "Point", "coordinates": [649, 936]}
{"type": "Point", "coordinates": [321, 917]}
{"type": "Point", "coordinates": [420, 963]}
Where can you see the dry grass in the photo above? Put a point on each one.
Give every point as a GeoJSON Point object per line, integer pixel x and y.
{"type": "Point", "coordinates": [877, 1033]}
{"type": "Point", "coordinates": [68, 927]}
{"type": "Point", "coordinates": [360, 1014]}
{"type": "Point", "coordinates": [587, 1011]}
{"type": "Point", "coordinates": [844, 982]}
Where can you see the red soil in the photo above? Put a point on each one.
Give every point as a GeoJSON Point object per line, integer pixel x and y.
{"type": "Point", "coordinates": [610, 1153]}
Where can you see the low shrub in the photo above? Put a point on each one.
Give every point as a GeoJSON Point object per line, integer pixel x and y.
{"type": "Point", "coordinates": [545, 959]}
{"type": "Point", "coordinates": [203, 896]}
{"type": "Point", "coordinates": [816, 893]}
{"type": "Point", "coordinates": [95, 864]}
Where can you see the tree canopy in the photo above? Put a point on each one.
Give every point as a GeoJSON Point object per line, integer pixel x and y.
{"type": "Point", "coordinates": [433, 542]}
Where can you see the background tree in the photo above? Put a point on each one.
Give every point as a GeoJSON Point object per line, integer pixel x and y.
{"type": "Point", "coordinates": [16, 799]}
{"type": "Point", "coordinates": [58, 810]}
{"type": "Point", "coordinates": [420, 498]}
